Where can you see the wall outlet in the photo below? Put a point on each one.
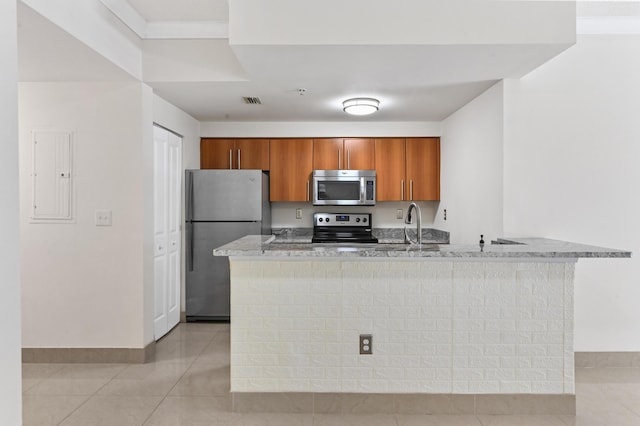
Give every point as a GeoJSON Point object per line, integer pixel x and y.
{"type": "Point", "coordinates": [366, 344]}
{"type": "Point", "coordinates": [298, 213]}
{"type": "Point", "coordinates": [399, 214]}
{"type": "Point", "coordinates": [103, 217]}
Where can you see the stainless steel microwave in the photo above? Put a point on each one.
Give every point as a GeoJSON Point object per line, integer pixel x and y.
{"type": "Point", "coordinates": [344, 187]}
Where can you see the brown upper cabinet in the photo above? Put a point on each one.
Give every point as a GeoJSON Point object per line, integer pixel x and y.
{"type": "Point", "coordinates": [344, 154]}
{"type": "Point", "coordinates": [423, 168]}
{"type": "Point", "coordinates": [407, 169]}
{"type": "Point", "coordinates": [291, 166]}
{"type": "Point", "coordinates": [390, 169]}
{"type": "Point", "coordinates": [216, 153]}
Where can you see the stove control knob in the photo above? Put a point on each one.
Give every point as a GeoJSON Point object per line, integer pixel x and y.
{"type": "Point", "coordinates": [364, 219]}
{"type": "Point", "coordinates": [321, 219]}
{"type": "Point", "coordinates": [327, 219]}
{"type": "Point", "coordinates": [357, 219]}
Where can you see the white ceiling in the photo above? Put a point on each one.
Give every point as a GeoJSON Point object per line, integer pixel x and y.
{"type": "Point", "coordinates": [182, 10]}
{"type": "Point", "coordinates": [413, 83]}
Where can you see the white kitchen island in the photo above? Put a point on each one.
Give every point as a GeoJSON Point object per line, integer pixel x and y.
{"type": "Point", "coordinates": [455, 328]}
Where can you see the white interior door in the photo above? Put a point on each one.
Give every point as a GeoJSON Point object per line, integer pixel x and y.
{"type": "Point", "coordinates": [167, 153]}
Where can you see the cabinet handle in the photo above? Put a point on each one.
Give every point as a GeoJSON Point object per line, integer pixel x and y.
{"type": "Point", "coordinates": [238, 158]}
{"type": "Point", "coordinates": [308, 199]}
{"type": "Point", "coordinates": [339, 160]}
{"type": "Point", "coordinates": [349, 159]}
{"type": "Point", "coordinates": [411, 190]}
{"type": "Point", "coordinates": [402, 189]}
{"type": "Point", "coordinates": [230, 158]}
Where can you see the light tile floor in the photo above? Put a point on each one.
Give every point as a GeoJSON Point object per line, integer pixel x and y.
{"type": "Point", "coordinates": [188, 384]}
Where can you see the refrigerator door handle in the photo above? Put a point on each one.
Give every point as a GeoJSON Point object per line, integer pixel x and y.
{"type": "Point", "coordinates": [189, 195]}
{"type": "Point", "coordinates": [189, 224]}
{"type": "Point", "coordinates": [190, 246]}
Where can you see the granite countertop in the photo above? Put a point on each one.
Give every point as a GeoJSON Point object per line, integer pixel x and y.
{"type": "Point", "coordinates": [271, 246]}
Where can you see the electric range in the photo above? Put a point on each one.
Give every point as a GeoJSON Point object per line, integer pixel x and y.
{"type": "Point", "coordinates": [342, 228]}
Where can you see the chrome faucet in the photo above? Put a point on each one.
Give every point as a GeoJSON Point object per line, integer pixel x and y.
{"type": "Point", "coordinates": [418, 224]}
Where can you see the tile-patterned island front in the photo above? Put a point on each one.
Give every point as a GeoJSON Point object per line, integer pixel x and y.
{"type": "Point", "coordinates": [457, 320]}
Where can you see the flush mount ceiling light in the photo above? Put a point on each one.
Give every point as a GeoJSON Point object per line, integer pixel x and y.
{"type": "Point", "coordinates": [360, 106]}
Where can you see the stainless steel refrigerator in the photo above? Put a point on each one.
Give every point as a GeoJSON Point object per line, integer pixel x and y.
{"type": "Point", "coordinates": [221, 206]}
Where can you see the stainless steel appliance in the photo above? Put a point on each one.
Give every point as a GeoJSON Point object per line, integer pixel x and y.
{"type": "Point", "coordinates": [342, 228]}
{"type": "Point", "coordinates": [221, 206]}
{"type": "Point", "coordinates": [344, 187]}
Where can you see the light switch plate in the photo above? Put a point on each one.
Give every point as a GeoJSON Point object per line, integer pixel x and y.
{"type": "Point", "coordinates": [399, 214]}
{"type": "Point", "coordinates": [298, 213]}
{"type": "Point", "coordinates": [103, 217]}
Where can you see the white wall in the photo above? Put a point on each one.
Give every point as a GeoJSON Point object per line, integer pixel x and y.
{"type": "Point", "coordinates": [471, 169]}
{"type": "Point", "coordinates": [299, 129]}
{"type": "Point", "coordinates": [10, 369]}
{"type": "Point", "coordinates": [190, 60]}
{"type": "Point", "coordinates": [94, 25]}
{"type": "Point", "coordinates": [181, 123]}
{"type": "Point", "coordinates": [82, 285]}
{"type": "Point", "coordinates": [255, 22]}
{"type": "Point", "coordinates": [146, 204]}
{"type": "Point", "coordinates": [571, 172]}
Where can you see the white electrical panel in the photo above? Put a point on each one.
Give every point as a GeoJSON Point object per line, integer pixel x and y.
{"type": "Point", "coordinates": [52, 177]}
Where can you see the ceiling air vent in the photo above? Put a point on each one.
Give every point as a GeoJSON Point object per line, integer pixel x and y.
{"type": "Point", "coordinates": [252, 100]}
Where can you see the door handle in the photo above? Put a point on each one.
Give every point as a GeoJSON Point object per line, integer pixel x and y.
{"type": "Point", "coordinates": [190, 246]}
{"type": "Point", "coordinates": [189, 195]}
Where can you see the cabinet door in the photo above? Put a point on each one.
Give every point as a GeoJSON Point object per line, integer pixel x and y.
{"type": "Point", "coordinates": [327, 154]}
{"type": "Point", "coordinates": [251, 154]}
{"type": "Point", "coordinates": [390, 169]}
{"type": "Point", "coordinates": [423, 168]}
{"type": "Point", "coordinates": [359, 154]}
{"type": "Point", "coordinates": [216, 153]}
{"type": "Point", "coordinates": [291, 164]}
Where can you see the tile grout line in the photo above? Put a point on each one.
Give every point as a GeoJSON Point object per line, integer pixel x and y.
{"type": "Point", "coordinates": [41, 380]}
{"type": "Point", "coordinates": [77, 408]}
{"type": "Point", "coordinates": [89, 397]}
{"type": "Point", "coordinates": [146, 420]}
